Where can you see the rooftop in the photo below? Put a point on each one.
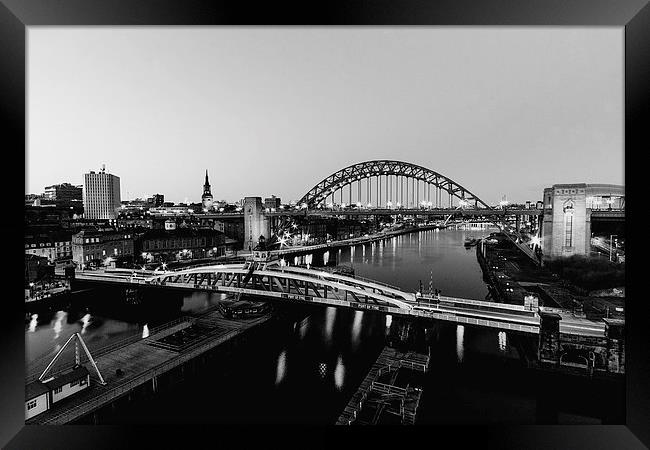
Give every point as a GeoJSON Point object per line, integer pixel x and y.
{"type": "Point", "coordinates": [34, 389]}
{"type": "Point", "coordinates": [75, 374]}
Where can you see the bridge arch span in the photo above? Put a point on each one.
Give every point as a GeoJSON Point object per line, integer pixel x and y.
{"type": "Point", "coordinates": [290, 283]}
{"type": "Point", "coordinates": [397, 175]}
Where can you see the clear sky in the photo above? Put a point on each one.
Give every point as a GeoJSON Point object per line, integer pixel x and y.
{"type": "Point", "coordinates": [502, 111]}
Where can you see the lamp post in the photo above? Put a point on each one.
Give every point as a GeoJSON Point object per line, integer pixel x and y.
{"type": "Point", "coordinates": [611, 237]}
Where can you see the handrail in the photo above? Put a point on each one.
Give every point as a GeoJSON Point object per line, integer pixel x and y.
{"type": "Point", "coordinates": [368, 280]}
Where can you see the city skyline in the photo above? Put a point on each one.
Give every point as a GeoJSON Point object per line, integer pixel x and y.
{"type": "Point", "coordinates": [273, 111]}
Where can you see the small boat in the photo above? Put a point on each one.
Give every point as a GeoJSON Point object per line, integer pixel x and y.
{"type": "Point", "coordinates": [243, 308]}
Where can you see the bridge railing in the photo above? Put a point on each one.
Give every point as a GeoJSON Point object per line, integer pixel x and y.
{"type": "Point", "coordinates": [368, 280]}
{"type": "Point", "coordinates": [413, 365]}
{"type": "Point", "coordinates": [384, 388]}
{"type": "Point", "coordinates": [464, 301]}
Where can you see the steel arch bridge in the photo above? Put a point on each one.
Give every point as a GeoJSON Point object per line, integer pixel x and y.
{"type": "Point", "coordinates": [399, 171]}
{"type": "Point", "coordinates": [289, 283]}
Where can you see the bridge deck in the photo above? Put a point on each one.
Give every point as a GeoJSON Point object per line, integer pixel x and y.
{"type": "Point", "coordinates": [364, 295]}
{"type": "Point", "coordinates": [141, 362]}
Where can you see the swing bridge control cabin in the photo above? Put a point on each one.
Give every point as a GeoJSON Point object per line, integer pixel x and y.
{"type": "Point", "coordinates": [41, 395]}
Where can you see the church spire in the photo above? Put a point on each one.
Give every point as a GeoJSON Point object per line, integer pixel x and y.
{"type": "Point", "coordinates": [207, 194]}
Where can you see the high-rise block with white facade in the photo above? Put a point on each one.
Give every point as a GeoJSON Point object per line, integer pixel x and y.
{"type": "Point", "coordinates": [101, 193]}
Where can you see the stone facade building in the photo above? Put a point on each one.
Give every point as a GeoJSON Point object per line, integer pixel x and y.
{"type": "Point", "coordinates": [566, 228]}
{"type": "Point", "coordinates": [93, 247]}
{"type": "Point", "coordinates": [179, 244]}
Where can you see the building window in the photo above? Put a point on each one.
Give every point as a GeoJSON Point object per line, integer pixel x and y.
{"type": "Point", "coordinates": [568, 229]}
{"type": "Point", "coordinates": [58, 390]}
{"type": "Point", "coordinates": [31, 404]}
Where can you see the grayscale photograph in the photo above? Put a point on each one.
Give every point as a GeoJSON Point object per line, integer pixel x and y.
{"type": "Point", "coordinates": [324, 225]}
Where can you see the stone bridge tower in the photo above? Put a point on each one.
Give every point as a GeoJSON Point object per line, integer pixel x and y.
{"type": "Point", "coordinates": [256, 224]}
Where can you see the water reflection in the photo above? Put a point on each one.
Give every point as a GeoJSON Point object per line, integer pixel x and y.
{"type": "Point", "coordinates": [281, 367]}
{"type": "Point", "coordinates": [339, 373]}
{"type": "Point", "coordinates": [330, 317]}
{"type": "Point", "coordinates": [503, 343]}
{"type": "Point", "coordinates": [460, 347]}
{"type": "Point", "coordinates": [303, 328]}
{"type": "Point", "coordinates": [85, 320]}
{"type": "Point", "coordinates": [60, 315]}
{"type": "Point", "coordinates": [32, 323]}
{"type": "Point", "coordinates": [356, 328]}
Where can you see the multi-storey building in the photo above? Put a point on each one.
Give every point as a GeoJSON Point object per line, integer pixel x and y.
{"type": "Point", "coordinates": [101, 195]}
{"type": "Point", "coordinates": [51, 245]}
{"type": "Point", "coordinates": [94, 246]}
{"type": "Point", "coordinates": [180, 243]}
{"type": "Point", "coordinates": [156, 200]}
{"type": "Point", "coordinates": [64, 192]}
{"type": "Point", "coordinates": [566, 228]}
{"type": "Point", "coordinates": [272, 202]}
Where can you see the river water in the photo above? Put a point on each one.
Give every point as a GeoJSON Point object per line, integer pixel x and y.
{"type": "Point", "coordinates": [304, 368]}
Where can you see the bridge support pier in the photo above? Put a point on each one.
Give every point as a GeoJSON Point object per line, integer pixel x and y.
{"type": "Point", "coordinates": [548, 351]}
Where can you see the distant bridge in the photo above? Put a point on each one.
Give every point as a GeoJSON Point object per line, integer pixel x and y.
{"type": "Point", "coordinates": [363, 211]}
{"type": "Point", "coordinates": [295, 284]}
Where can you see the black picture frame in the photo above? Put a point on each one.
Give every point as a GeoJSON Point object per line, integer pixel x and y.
{"type": "Point", "coordinates": [16, 15]}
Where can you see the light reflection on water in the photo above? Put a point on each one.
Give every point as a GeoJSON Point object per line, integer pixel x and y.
{"type": "Point", "coordinates": [460, 347]}
{"type": "Point", "coordinates": [58, 324]}
{"type": "Point", "coordinates": [281, 367]}
{"type": "Point", "coordinates": [503, 341]}
{"type": "Point", "coordinates": [330, 317]}
{"type": "Point", "coordinates": [339, 373]}
{"type": "Point", "coordinates": [303, 328]}
{"type": "Point", "coordinates": [356, 328]}
{"type": "Point", "coordinates": [85, 320]}
{"type": "Point", "coordinates": [32, 323]}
